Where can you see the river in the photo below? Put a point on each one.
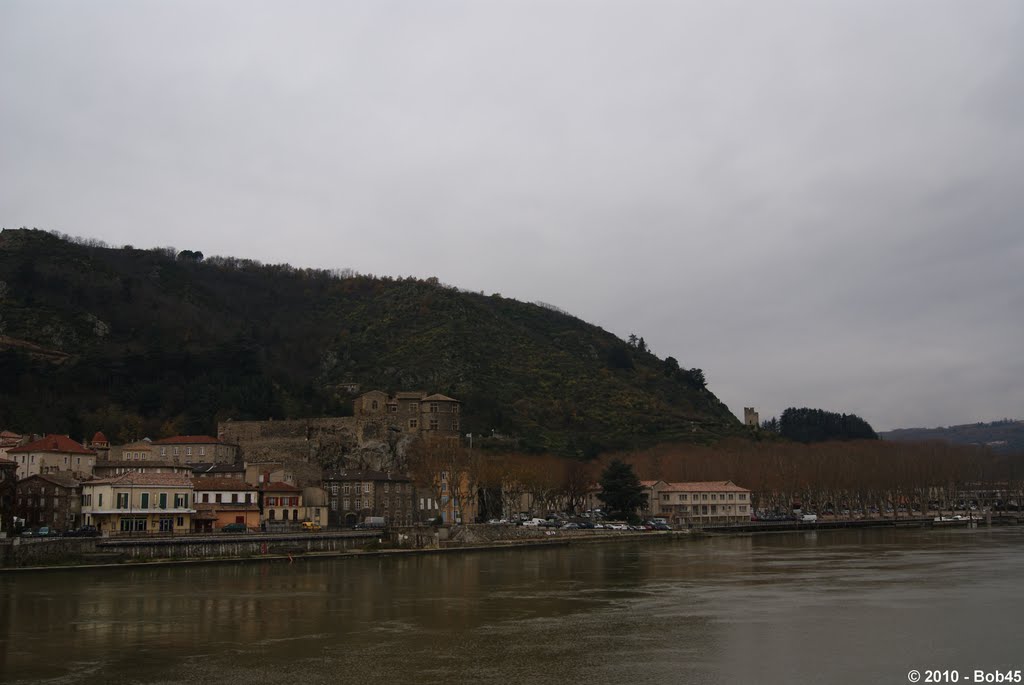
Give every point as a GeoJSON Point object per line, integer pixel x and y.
{"type": "Point", "coordinates": [863, 606]}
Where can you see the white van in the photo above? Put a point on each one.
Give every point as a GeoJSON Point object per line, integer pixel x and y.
{"type": "Point", "coordinates": [809, 518]}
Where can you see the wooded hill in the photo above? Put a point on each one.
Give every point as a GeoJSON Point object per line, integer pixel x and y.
{"type": "Point", "coordinates": [157, 342]}
{"type": "Point", "coordinates": [1002, 437]}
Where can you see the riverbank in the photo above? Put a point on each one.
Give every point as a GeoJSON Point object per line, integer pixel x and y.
{"type": "Point", "coordinates": [28, 555]}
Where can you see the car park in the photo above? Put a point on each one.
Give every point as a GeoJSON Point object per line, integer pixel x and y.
{"type": "Point", "coordinates": [84, 532]}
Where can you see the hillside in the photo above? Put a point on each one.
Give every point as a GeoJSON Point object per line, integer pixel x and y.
{"type": "Point", "coordinates": [149, 342]}
{"type": "Point", "coordinates": [1002, 437]}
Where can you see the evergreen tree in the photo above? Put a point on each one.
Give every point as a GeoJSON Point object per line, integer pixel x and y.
{"type": "Point", "coordinates": [621, 492]}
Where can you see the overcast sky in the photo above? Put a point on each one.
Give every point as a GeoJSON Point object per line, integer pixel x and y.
{"type": "Point", "coordinates": [818, 203]}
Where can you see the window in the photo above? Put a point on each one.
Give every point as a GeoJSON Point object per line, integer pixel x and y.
{"type": "Point", "coordinates": [181, 521]}
{"type": "Point", "coordinates": [334, 503]}
{"type": "Point", "coordinates": [144, 501]}
{"type": "Point", "coordinates": [704, 497]}
{"type": "Point", "coordinates": [704, 509]}
{"type": "Point", "coordinates": [413, 423]}
{"type": "Point", "coordinates": [366, 487]}
{"type": "Point", "coordinates": [163, 451]}
{"type": "Point", "coordinates": [433, 407]}
{"type": "Point", "coordinates": [714, 497]}
{"type": "Point", "coordinates": [271, 517]}
{"type": "Point", "coordinates": [345, 503]}
{"type": "Point", "coordinates": [217, 498]}
{"type": "Point", "coordinates": [730, 496]}
{"type": "Point", "coordinates": [346, 488]}
{"type": "Point", "coordinates": [248, 498]}
{"type": "Point", "coordinates": [743, 495]}
{"type": "Point", "coordinates": [385, 504]}
{"type": "Point", "coordinates": [373, 405]}
{"type": "Point", "coordinates": [100, 500]}
{"type": "Point", "coordinates": [202, 451]}
{"type": "Point", "coordinates": [393, 408]}
{"type": "Point", "coordinates": [181, 501]}
{"type": "Point", "coordinates": [166, 525]}
{"type": "Point", "coordinates": [414, 407]}
{"type": "Point", "coordinates": [175, 450]}
{"type": "Point", "coordinates": [455, 408]}
{"type": "Point", "coordinates": [234, 498]}
{"type": "Point", "coordinates": [163, 500]}
{"type": "Point", "coordinates": [714, 508]}
{"type": "Point", "coordinates": [188, 451]}
{"type": "Point", "coordinates": [455, 424]}
{"type": "Point", "coordinates": [433, 424]}
{"type": "Point", "coordinates": [334, 488]}
{"type": "Point", "coordinates": [271, 501]}
{"type": "Point", "coordinates": [122, 500]}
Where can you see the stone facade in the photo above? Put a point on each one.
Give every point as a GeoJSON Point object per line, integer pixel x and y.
{"type": "Point", "coordinates": [355, 494]}
{"type": "Point", "coordinates": [376, 437]}
{"type": "Point", "coordinates": [195, 449]}
{"type": "Point", "coordinates": [8, 495]}
{"type": "Point", "coordinates": [750, 417]}
{"type": "Point", "coordinates": [50, 499]}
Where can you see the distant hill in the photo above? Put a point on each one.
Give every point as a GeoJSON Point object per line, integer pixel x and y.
{"type": "Point", "coordinates": [156, 342]}
{"type": "Point", "coordinates": [1003, 437]}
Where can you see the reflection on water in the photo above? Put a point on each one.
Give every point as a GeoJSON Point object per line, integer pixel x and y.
{"type": "Point", "coordinates": [837, 607]}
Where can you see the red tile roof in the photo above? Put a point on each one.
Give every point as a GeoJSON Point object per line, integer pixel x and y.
{"type": "Point", "coordinates": [220, 483]}
{"type": "Point", "coordinates": [99, 437]}
{"type": "Point", "coordinates": [280, 487]}
{"type": "Point", "coordinates": [187, 439]}
{"type": "Point", "coordinates": [53, 443]}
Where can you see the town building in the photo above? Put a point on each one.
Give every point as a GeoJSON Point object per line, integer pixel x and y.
{"type": "Point", "coordinates": [356, 494]}
{"type": "Point", "coordinates": [50, 499]}
{"type": "Point", "coordinates": [218, 470]}
{"type": "Point", "coordinates": [138, 450]}
{"type": "Point", "coordinates": [8, 495]}
{"type": "Point", "coordinates": [220, 500]}
{"type": "Point", "coordinates": [411, 412]}
{"type": "Point", "coordinates": [135, 503]}
{"type": "Point", "coordinates": [10, 440]}
{"type": "Point", "coordinates": [194, 449]}
{"type": "Point", "coordinates": [111, 468]}
{"type": "Point", "coordinates": [701, 503]}
{"type": "Point", "coordinates": [281, 503]}
{"type": "Point", "coordinates": [52, 453]}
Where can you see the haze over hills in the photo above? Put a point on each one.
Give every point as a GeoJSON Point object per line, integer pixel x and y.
{"type": "Point", "coordinates": [156, 342]}
{"type": "Point", "coordinates": [1002, 437]}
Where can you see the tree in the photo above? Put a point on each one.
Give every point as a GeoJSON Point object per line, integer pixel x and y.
{"type": "Point", "coordinates": [621, 491]}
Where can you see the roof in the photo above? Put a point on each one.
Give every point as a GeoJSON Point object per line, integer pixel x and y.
{"type": "Point", "coordinates": [205, 467]}
{"type": "Point", "coordinates": [280, 487]}
{"type": "Point", "coordinates": [440, 398]}
{"type": "Point", "coordinates": [99, 437]}
{"type": "Point", "coordinates": [705, 486]}
{"type": "Point", "coordinates": [649, 483]}
{"type": "Point", "coordinates": [53, 443]}
{"type": "Point", "coordinates": [138, 445]}
{"type": "Point", "coordinates": [409, 395]}
{"type": "Point", "coordinates": [63, 479]}
{"type": "Point", "coordinates": [139, 464]}
{"type": "Point", "coordinates": [365, 474]}
{"type": "Point", "coordinates": [220, 483]}
{"type": "Point", "coordinates": [188, 440]}
{"type": "Point", "coordinates": [176, 480]}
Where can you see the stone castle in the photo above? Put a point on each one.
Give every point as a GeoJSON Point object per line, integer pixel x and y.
{"type": "Point", "coordinates": [375, 437]}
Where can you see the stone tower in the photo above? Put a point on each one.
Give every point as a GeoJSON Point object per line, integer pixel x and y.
{"type": "Point", "coordinates": [750, 417]}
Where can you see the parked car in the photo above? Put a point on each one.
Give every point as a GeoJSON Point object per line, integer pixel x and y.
{"type": "Point", "coordinates": [310, 526]}
{"type": "Point", "coordinates": [84, 532]}
{"type": "Point", "coordinates": [40, 532]}
{"type": "Point", "coordinates": [235, 528]}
